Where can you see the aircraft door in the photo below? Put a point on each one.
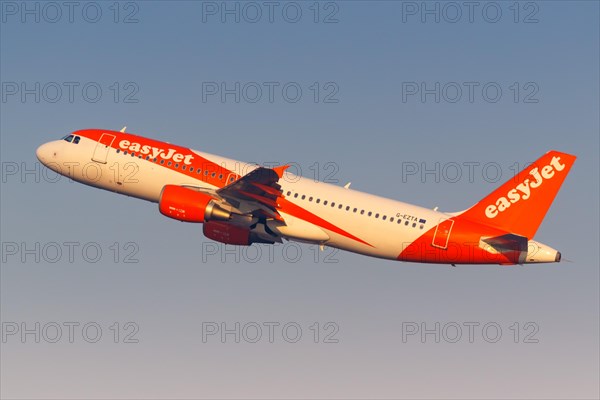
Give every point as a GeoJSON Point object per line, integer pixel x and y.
{"type": "Point", "coordinates": [442, 234]}
{"type": "Point", "coordinates": [102, 148]}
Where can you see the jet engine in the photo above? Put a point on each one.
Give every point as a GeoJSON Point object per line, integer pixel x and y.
{"type": "Point", "coordinates": [188, 205]}
{"type": "Point", "coordinates": [227, 233]}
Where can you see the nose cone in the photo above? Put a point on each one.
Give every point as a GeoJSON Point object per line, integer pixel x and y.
{"type": "Point", "coordinates": [39, 153]}
{"type": "Point", "coordinates": [44, 153]}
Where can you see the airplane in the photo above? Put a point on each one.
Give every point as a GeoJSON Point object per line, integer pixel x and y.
{"type": "Point", "coordinates": [259, 205]}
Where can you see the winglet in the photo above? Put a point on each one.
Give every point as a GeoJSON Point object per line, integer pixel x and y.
{"type": "Point", "coordinates": [280, 170]}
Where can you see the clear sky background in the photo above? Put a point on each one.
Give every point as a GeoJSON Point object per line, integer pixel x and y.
{"type": "Point", "coordinates": [362, 126]}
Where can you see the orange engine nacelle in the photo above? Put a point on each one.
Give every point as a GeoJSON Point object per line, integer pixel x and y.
{"type": "Point", "coordinates": [227, 233]}
{"type": "Point", "coordinates": [188, 205]}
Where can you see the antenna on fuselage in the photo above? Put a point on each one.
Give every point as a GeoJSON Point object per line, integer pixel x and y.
{"type": "Point", "coordinates": [123, 130]}
{"type": "Point", "coordinates": [347, 185]}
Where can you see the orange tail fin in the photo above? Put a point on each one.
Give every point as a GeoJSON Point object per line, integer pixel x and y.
{"type": "Point", "coordinates": [519, 206]}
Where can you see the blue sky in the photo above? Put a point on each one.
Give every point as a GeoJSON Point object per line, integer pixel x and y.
{"type": "Point", "coordinates": [355, 120]}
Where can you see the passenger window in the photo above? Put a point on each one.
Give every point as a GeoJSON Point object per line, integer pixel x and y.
{"type": "Point", "coordinates": [231, 179]}
{"type": "Point", "coordinates": [125, 153]}
{"type": "Point", "coordinates": [162, 161]}
{"type": "Point", "coordinates": [324, 202]}
{"type": "Point", "coordinates": [288, 193]}
{"type": "Point", "coordinates": [384, 217]}
{"type": "Point", "coordinates": [295, 195]}
{"type": "Point", "coordinates": [318, 201]}
{"type": "Point", "coordinates": [406, 223]}
{"type": "Point", "coordinates": [176, 165]}
{"type": "Point", "coordinates": [377, 215]}
{"type": "Point", "coordinates": [118, 151]}
{"type": "Point", "coordinates": [310, 198]}
{"type": "Point", "coordinates": [303, 196]}
{"type": "Point", "coordinates": [183, 167]}
{"type": "Point", "coordinates": [347, 208]}
{"type": "Point", "coordinates": [147, 158]}
{"type": "Point", "coordinates": [220, 176]}
{"type": "Point", "coordinates": [370, 213]}
{"type": "Point", "coordinates": [169, 163]}
{"type": "Point", "coordinates": [391, 219]}
{"type": "Point", "coordinates": [399, 221]}
{"type": "Point", "coordinates": [414, 224]}
{"type": "Point", "coordinates": [340, 206]}
{"type": "Point", "coordinates": [362, 212]}
{"type": "Point", "coordinates": [421, 227]}
{"type": "Point", "coordinates": [132, 154]}
{"type": "Point", "coordinates": [213, 174]}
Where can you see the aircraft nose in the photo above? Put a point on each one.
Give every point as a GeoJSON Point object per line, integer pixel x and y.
{"type": "Point", "coordinates": [46, 153]}
{"type": "Point", "coordinates": [42, 153]}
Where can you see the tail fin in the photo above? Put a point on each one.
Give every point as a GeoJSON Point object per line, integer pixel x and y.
{"type": "Point", "coordinates": [519, 206]}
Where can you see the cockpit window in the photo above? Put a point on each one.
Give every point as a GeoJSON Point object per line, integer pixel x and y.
{"type": "Point", "coordinates": [72, 139]}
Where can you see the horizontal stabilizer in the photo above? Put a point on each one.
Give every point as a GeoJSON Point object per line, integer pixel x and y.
{"type": "Point", "coordinates": [508, 242]}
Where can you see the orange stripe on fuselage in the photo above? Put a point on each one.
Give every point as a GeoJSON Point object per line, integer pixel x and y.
{"type": "Point", "coordinates": [295, 210]}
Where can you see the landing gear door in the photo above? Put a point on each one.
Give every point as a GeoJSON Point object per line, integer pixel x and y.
{"type": "Point", "coordinates": [442, 234]}
{"type": "Point", "coordinates": [102, 148]}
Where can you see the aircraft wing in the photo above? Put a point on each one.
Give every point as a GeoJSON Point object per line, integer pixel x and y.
{"type": "Point", "coordinates": [256, 193]}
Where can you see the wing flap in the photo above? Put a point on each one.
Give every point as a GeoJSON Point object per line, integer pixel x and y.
{"type": "Point", "coordinates": [258, 190]}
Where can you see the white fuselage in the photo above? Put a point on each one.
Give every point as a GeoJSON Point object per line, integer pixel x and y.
{"type": "Point", "coordinates": [497, 230]}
